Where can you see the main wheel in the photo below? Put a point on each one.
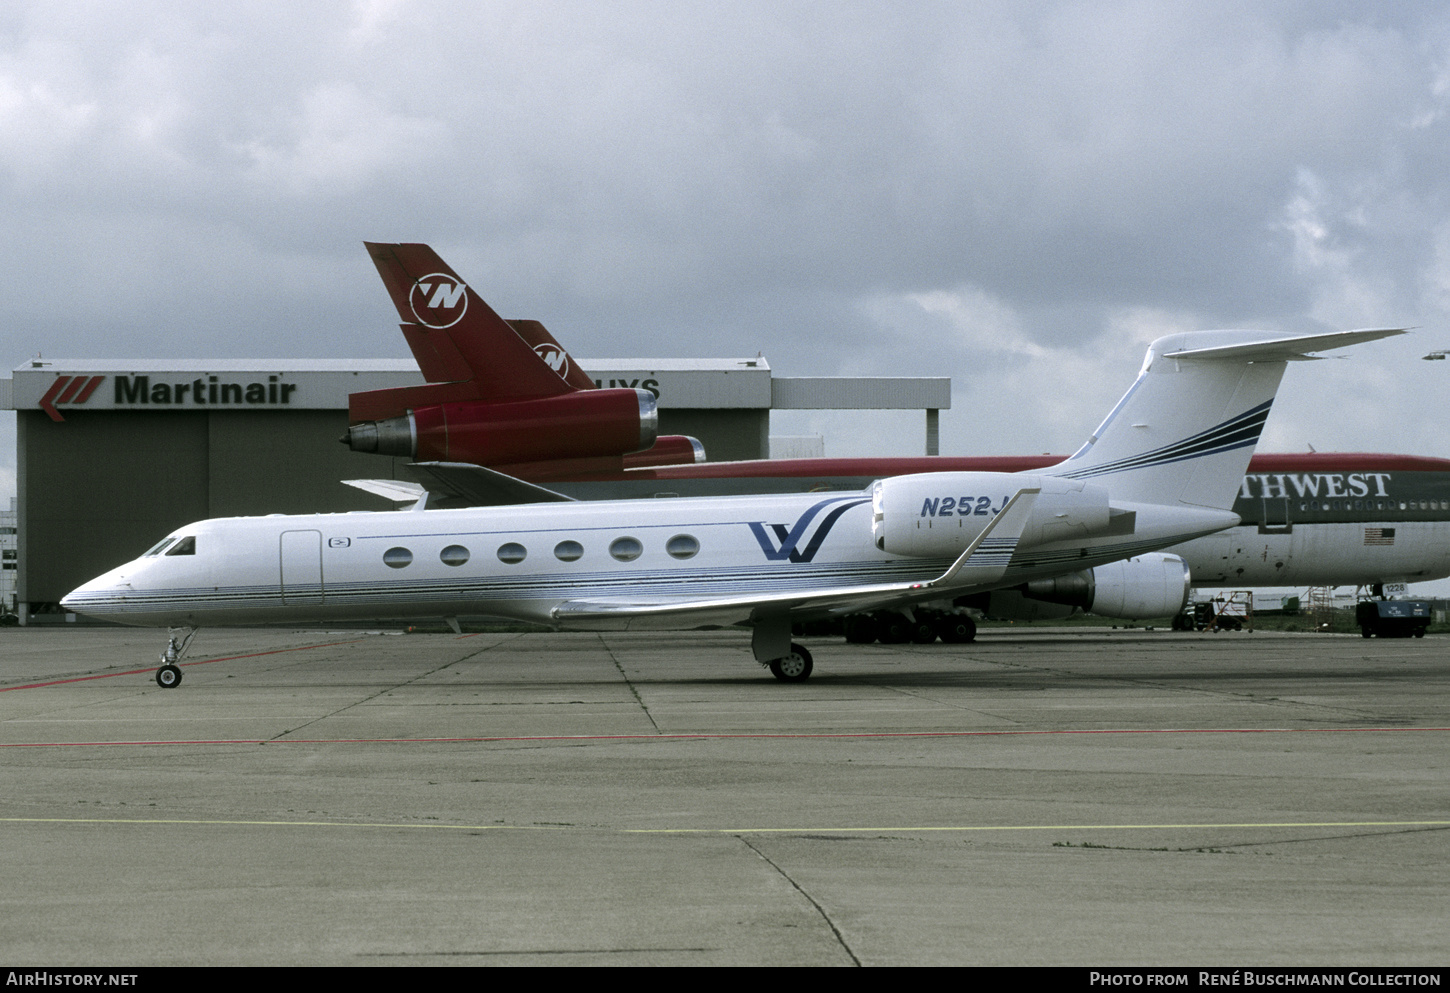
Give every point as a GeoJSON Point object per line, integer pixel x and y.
{"type": "Point", "coordinates": [923, 632]}
{"type": "Point", "coordinates": [892, 628]}
{"type": "Point", "coordinates": [957, 629]}
{"type": "Point", "coordinates": [860, 629]}
{"type": "Point", "coordinates": [168, 677]}
{"type": "Point", "coordinates": [793, 668]}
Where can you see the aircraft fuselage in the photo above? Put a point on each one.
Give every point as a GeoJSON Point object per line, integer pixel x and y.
{"type": "Point", "coordinates": [528, 561]}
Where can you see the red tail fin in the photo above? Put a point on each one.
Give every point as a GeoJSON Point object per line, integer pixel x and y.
{"type": "Point", "coordinates": [463, 348]}
{"type": "Point", "coordinates": [552, 353]}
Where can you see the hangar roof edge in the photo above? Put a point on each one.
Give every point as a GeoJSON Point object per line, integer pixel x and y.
{"type": "Point", "coordinates": [758, 364]}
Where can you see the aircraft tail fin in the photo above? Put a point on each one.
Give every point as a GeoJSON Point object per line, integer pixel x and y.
{"type": "Point", "coordinates": [552, 353]}
{"type": "Point", "coordinates": [1184, 432]}
{"type": "Point", "coordinates": [457, 337]}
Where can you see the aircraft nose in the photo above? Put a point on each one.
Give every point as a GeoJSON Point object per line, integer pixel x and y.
{"type": "Point", "coordinates": [95, 597]}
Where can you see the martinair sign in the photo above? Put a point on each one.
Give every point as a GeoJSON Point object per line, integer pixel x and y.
{"type": "Point", "coordinates": [61, 386]}
{"type": "Point", "coordinates": [131, 391]}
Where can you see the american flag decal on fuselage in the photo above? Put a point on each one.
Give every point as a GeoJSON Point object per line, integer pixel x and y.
{"type": "Point", "coordinates": [1236, 432]}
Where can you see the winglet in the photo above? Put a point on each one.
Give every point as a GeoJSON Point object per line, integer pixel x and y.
{"type": "Point", "coordinates": [986, 559]}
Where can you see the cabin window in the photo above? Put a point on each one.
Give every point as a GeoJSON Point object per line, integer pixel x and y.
{"type": "Point", "coordinates": [156, 548]}
{"type": "Point", "coordinates": [682, 546]}
{"type": "Point", "coordinates": [626, 549]}
{"type": "Point", "coordinates": [186, 546]}
{"type": "Point", "coordinates": [397, 558]}
{"type": "Point", "coordinates": [454, 555]}
{"type": "Point", "coordinates": [568, 551]}
{"type": "Point", "coordinates": [512, 553]}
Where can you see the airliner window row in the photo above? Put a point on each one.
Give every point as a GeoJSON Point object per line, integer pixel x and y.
{"type": "Point", "coordinates": [1374, 505]}
{"type": "Point", "coordinates": [624, 549]}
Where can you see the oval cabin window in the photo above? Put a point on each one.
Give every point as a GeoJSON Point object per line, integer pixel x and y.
{"type": "Point", "coordinates": [682, 546]}
{"type": "Point", "coordinates": [626, 549]}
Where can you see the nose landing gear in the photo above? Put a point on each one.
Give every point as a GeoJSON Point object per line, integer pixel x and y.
{"type": "Point", "coordinates": [178, 640]}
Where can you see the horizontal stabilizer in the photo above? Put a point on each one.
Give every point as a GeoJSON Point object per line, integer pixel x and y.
{"type": "Point", "coordinates": [396, 490]}
{"type": "Point", "coordinates": [1287, 349]}
{"type": "Point", "coordinates": [458, 484]}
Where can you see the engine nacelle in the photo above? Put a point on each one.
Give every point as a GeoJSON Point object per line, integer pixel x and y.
{"type": "Point", "coordinates": [938, 514]}
{"type": "Point", "coordinates": [1146, 586]}
{"type": "Point", "coordinates": [583, 424]}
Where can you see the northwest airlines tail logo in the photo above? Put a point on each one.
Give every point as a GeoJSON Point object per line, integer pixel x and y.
{"type": "Point", "coordinates": [554, 357]}
{"type": "Point", "coordinates": [438, 300]}
{"type": "Point", "coordinates": [786, 540]}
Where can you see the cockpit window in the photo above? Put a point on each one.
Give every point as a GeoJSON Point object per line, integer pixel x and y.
{"type": "Point", "coordinates": [186, 546]}
{"type": "Point", "coordinates": [156, 548]}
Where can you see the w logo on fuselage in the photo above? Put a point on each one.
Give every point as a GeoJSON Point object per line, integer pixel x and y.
{"type": "Point", "coordinates": [438, 300]}
{"type": "Point", "coordinates": [783, 542]}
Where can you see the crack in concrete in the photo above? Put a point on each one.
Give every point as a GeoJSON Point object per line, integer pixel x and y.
{"type": "Point", "coordinates": [628, 682]}
{"type": "Point", "coordinates": [840, 938]}
{"type": "Point", "coordinates": [387, 689]}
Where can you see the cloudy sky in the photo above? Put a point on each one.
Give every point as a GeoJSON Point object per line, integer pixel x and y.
{"type": "Point", "coordinates": [1019, 195]}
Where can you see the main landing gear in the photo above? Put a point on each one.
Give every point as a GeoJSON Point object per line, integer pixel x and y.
{"type": "Point", "coordinates": [787, 661]}
{"type": "Point", "coordinates": [177, 642]}
{"type": "Point", "coordinates": [793, 668]}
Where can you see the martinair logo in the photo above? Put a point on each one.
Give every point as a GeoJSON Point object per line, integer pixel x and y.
{"type": "Point", "coordinates": [68, 389]}
{"type": "Point", "coordinates": [790, 538]}
{"type": "Point", "coordinates": [554, 357]}
{"type": "Point", "coordinates": [438, 300]}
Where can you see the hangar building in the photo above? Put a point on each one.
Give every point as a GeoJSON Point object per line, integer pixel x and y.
{"type": "Point", "coordinates": [112, 455]}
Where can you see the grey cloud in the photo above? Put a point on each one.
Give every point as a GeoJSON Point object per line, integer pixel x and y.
{"type": "Point", "coordinates": [654, 178]}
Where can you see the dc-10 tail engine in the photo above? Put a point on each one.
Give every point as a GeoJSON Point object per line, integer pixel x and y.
{"type": "Point", "coordinates": [587, 423]}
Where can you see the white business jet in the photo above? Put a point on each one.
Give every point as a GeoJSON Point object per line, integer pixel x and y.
{"type": "Point", "coordinates": [1164, 467]}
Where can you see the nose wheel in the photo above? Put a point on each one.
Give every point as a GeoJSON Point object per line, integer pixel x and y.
{"type": "Point", "coordinates": [177, 642]}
